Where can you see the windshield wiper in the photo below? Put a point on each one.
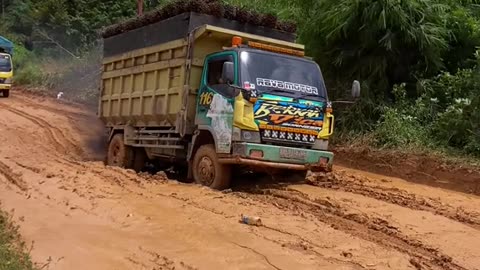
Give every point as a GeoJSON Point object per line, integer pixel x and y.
{"type": "Point", "coordinates": [313, 95]}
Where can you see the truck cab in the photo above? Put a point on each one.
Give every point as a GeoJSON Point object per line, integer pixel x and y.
{"type": "Point", "coordinates": [267, 107]}
{"type": "Point", "coordinates": [6, 73]}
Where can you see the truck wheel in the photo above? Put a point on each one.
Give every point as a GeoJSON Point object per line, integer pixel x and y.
{"type": "Point", "coordinates": [208, 171]}
{"type": "Point", "coordinates": [6, 93]}
{"type": "Point", "coordinates": [119, 154]}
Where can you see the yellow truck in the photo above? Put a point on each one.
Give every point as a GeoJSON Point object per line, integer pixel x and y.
{"type": "Point", "coordinates": [213, 95]}
{"type": "Point", "coordinates": [6, 66]}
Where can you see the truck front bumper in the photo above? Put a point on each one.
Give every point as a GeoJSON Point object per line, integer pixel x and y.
{"type": "Point", "coordinates": [4, 86]}
{"type": "Point", "coordinates": [279, 157]}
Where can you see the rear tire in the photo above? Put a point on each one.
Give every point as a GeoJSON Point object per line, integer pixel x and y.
{"type": "Point", "coordinates": [208, 171]}
{"type": "Point", "coordinates": [119, 154]}
{"type": "Point", "coordinates": [6, 93]}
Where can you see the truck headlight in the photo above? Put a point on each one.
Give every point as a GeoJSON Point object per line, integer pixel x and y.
{"type": "Point", "coordinates": [251, 136]}
{"type": "Point", "coordinates": [245, 135]}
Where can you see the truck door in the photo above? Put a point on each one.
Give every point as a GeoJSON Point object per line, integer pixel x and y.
{"type": "Point", "coordinates": [215, 100]}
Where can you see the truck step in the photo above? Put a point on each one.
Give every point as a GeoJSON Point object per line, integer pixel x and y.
{"type": "Point", "coordinates": [163, 146]}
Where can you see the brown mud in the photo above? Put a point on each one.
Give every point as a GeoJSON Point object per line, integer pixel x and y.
{"type": "Point", "coordinates": [80, 214]}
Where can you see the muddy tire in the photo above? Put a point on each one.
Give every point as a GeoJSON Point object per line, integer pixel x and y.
{"type": "Point", "coordinates": [6, 93]}
{"type": "Point", "coordinates": [208, 171]}
{"type": "Point", "coordinates": [119, 154]}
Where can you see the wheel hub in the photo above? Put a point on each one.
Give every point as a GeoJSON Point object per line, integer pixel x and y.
{"type": "Point", "coordinates": [206, 171]}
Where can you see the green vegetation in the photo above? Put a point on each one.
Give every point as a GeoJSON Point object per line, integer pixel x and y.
{"type": "Point", "coordinates": [417, 60]}
{"type": "Point", "coordinates": [12, 255]}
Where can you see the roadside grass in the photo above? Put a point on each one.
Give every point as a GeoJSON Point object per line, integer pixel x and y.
{"type": "Point", "coordinates": [13, 254]}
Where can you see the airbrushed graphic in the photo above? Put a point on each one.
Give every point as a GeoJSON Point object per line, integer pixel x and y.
{"type": "Point", "coordinates": [288, 114]}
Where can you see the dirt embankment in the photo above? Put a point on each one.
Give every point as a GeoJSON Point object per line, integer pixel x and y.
{"type": "Point", "coordinates": [80, 214]}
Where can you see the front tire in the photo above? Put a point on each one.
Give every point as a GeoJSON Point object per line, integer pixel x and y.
{"type": "Point", "coordinates": [208, 171]}
{"type": "Point", "coordinates": [6, 93]}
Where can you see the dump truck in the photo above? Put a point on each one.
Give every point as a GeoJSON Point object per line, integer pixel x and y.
{"type": "Point", "coordinates": [6, 66]}
{"type": "Point", "coordinates": [214, 95]}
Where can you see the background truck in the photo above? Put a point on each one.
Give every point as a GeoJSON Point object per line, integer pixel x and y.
{"type": "Point", "coordinates": [6, 66]}
{"type": "Point", "coordinates": [213, 94]}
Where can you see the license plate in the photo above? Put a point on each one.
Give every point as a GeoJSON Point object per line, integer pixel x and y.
{"type": "Point", "coordinates": [289, 153]}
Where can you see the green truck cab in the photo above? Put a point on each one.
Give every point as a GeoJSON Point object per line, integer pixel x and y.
{"type": "Point", "coordinates": [6, 66]}
{"type": "Point", "coordinates": [215, 98]}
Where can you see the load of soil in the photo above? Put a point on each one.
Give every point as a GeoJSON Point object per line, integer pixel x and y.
{"type": "Point", "coordinates": [210, 7]}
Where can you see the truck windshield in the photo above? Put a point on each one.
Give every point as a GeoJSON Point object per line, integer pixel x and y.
{"type": "Point", "coordinates": [5, 63]}
{"type": "Point", "coordinates": [285, 75]}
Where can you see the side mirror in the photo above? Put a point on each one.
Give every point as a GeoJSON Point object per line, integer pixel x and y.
{"type": "Point", "coordinates": [356, 89]}
{"type": "Point", "coordinates": [228, 74]}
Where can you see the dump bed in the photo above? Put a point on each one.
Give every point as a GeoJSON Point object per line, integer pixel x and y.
{"type": "Point", "coordinates": [151, 74]}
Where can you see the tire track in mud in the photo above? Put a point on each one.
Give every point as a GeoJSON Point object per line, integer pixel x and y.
{"type": "Point", "coordinates": [54, 134]}
{"type": "Point", "coordinates": [12, 177]}
{"type": "Point", "coordinates": [364, 187]}
{"type": "Point", "coordinates": [54, 110]}
{"type": "Point", "coordinates": [371, 229]}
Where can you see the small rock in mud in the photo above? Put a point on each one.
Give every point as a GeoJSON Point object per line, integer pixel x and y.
{"type": "Point", "coordinates": [304, 245]}
{"type": "Point", "coordinates": [129, 215]}
{"type": "Point", "coordinates": [226, 191]}
{"type": "Point", "coordinates": [415, 263]}
{"type": "Point", "coordinates": [130, 171]}
{"type": "Point", "coordinates": [161, 175]}
{"type": "Point", "coordinates": [347, 254]}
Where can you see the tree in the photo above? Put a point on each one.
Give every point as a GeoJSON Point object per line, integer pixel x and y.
{"type": "Point", "coordinates": [382, 42]}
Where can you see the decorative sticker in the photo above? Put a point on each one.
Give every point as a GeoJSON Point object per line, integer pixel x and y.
{"type": "Point", "coordinates": [221, 113]}
{"type": "Point", "coordinates": [289, 114]}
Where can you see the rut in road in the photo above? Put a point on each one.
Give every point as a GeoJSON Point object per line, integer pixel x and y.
{"type": "Point", "coordinates": [349, 183]}
{"type": "Point", "coordinates": [370, 229]}
{"type": "Point", "coordinates": [12, 177]}
{"type": "Point", "coordinates": [54, 134]}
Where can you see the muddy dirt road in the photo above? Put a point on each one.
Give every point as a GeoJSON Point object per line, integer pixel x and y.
{"type": "Point", "coordinates": [79, 214]}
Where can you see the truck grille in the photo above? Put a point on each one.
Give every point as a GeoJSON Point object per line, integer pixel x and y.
{"type": "Point", "coordinates": [2, 80]}
{"type": "Point", "coordinates": [284, 136]}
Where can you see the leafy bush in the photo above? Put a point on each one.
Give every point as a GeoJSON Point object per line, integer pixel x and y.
{"type": "Point", "coordinates": [29, 74]}
{"type": "Point", "coordinates": [399, 125]}
{"type": "Point", "coordinates": [398, 129]}
{"type": "Point", "coordinates": [447, 115]}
